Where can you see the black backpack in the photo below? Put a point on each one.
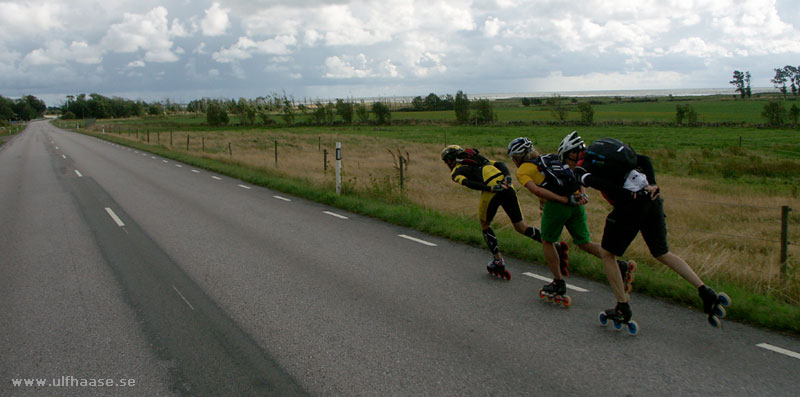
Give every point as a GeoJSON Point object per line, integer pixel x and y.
{"type": "Point", "coordinates": [610, 158]}
{"type": "Point", "coordinates": [558, 177]}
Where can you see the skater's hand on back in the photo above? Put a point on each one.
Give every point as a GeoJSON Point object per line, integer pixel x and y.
{"type": "Point", "coordinates": [654, 191]}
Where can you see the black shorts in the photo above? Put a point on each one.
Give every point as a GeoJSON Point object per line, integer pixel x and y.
{"type": "Point", "coordinates": [506, 199]}
{"type": "Point", "coordinates": [628, 219]}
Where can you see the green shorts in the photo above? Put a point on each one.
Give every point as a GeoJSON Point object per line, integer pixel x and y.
{"type": "Point", "coordinates": [556, 215]}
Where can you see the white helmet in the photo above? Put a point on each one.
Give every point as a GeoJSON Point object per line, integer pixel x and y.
{"type": "Point", "coordinates": [519, 146]}
{"type": "Point", "coordinates": [570, 142]}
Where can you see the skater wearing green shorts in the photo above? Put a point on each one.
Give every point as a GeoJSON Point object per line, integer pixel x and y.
{"type": "Point", "coordinates": [561, 202]}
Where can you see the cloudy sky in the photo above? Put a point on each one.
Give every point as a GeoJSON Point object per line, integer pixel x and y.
{"type": "Point", "coordinates": [187, 49]}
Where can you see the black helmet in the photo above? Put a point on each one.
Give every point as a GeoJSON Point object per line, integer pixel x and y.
{"type": "Point", "coordinates": [450, 152]}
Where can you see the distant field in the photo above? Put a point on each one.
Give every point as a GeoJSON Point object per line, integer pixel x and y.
{"type": "Point", "coordinates": [723, 200]}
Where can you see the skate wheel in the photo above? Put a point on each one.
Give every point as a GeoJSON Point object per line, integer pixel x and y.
{"type": "Point", "coordinates": [631, 266]}
{"type": "Point", "coordinates": [633, 328]}
{"type": "Point", "coordinates": [567, 301]}
{"type": "Point", "coordinates": [549, 298]}
{"type": "Point", "coordinates": [628, 288]}
{"type": "Point", "coordinates": [714, 321]}
{"type": "Point", "coordinates": [603, 318]}
{"type": "Point", "coordinates": [724, 299]}
{"type": "Point", "coordinates": [542, 296]}
{"type": "Point", "coordinates": [719, 311]}
{"type": "Point", "coordinates": [618, 325]}
{"type": "Point", "coordinates": [507, 275]}
{"type": "Point", "coordinates": [631, 277]}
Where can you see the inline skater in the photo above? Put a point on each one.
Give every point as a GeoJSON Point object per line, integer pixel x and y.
{"type": "Point", "coordinates": [493, 179]}
{"type": "Point", "coordinates": [561, 201]}
{"type": "Point", "coordinates": [627, 180]}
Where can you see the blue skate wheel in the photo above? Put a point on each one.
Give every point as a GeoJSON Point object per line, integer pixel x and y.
{"type": "Point", "coordinates": [618, 325]}
{"type": "Point", "coordinates": [603, 319]}
{"type": "Point", "coordinates": [633, 328]}
{"type": "Point", "coordinates": [724, 299]}
{"type": "Point", "coordinates": [719, 311]}
{"type": "Point", "coordinates": [714, 321]}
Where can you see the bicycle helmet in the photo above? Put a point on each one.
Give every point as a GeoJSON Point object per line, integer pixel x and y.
{"type": "Point", "coordinates": [571, 142]}
{"type": "Point", "coordinates": [519, 146]}
{"type": "Point", "coordinates": [450, 152]}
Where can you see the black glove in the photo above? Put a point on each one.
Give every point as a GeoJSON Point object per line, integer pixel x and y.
{"type": "Point", "coordinates": [497, 188]}
{"type": "Point", "coordinates": [508, 180]}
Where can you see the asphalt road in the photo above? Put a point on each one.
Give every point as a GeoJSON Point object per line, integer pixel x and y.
{"type": "Point", "coordinates": [120, 264]}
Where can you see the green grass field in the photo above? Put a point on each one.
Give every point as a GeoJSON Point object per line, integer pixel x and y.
{"type": "Point", "coordinates": [739, 165]}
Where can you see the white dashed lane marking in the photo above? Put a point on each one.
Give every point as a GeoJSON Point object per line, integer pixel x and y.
{"type": "Point", "coordinates": [780, 350]}
{"type": "Point", "coordinates": [550, 279]}
{"type": "Point", "coordinates": [282, 198]}
{"type": "Point", "coordinates": [78, 173]}
{"type": "Point", "coordinates": [335, 214]}
{"type": "Point", "coordinates": [429, 244]}
{"type": "Point", "coordinates": [216, 177]}
{"type": "Point", "coordinates": [182, 297]}
{"type": "Point", "coordinates": [245, 187]}
{"type": "Point", "coordinates": [114, 217]}
{"type": "Point", "coordinates": [196, 171]}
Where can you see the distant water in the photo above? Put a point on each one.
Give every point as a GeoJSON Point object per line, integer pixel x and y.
{"type": "Point", "coordinates": [599, 93]}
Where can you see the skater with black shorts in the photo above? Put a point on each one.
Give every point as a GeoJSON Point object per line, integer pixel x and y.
{"type": "Point", "coordinates": [561, 204]}
{"type": "Point", "coordinates": [493, 179]}
{"type": "Point", "coordinates": [627, 180]}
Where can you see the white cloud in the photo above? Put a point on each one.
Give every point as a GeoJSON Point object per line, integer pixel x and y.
{"type": "Point", "coordinates": [358, 67]}
{"type": "Point", "coordinates": [246, 47]}
{"type": "Point", "coordinates": [30, 18]}
{"type": "Point", "coordinates": [338, 68]}
{"type": "Point", "coordinates": [696, 47]}
{"type": "Point", "coordinates": [148, 32]}
{"type": "Point", "coordinates": [216, 21]}
{"type": "Point", "coordinates": [136, 64]}
{"type": "Point", "coordinates": [57, 52]}
{"type": "Point", "coordinates": [492, 27]}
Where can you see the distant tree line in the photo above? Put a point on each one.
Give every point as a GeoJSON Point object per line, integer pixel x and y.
{"type": "Point", "coordinates": [97, 106]}
{"type": "Point", "coordinates": [26, 108]}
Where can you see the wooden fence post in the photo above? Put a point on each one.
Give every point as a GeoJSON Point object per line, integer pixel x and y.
{"type": "Point", "coordinates": [785, 239]}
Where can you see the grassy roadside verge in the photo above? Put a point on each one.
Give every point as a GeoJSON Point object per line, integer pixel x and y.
{"type": "Point", "coordinates": [759, 309]}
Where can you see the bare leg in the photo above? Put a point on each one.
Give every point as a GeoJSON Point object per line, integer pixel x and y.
{"type": "Point", "coordinates": [614, 276]}
{"type": "Point", "coordinates": [551, 256]}
{"type": "Point", "coordinates": [592, 248]}
{"type": "Point", "coordinates": [680, 266]}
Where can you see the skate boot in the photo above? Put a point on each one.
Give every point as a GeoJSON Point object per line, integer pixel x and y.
{"type": "Point", "coordinates": [713, 305]}
{"type": "Point", "coordinates": [620, 316]}
{"type": "Point", "coordinates": [497, 268]}
{"type": "Point", "coordinates": [555, 292]}
{"type": "Point", "coordinates": [626, 269]}
{"type": "Point", "coordinates": [563, 257]}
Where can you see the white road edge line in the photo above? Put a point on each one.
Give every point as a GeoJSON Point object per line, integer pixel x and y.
{"type": "Point", "coordinates": [196, 171]}
{"type": "Point", "coordinates": [178, 165]}
{"type": "Point", "coordinates": [79, 174]}
{"type": "Point", "coordinates": [548, 279]}
{"type": "Point", "coordinates": [777, 349]}
{"type": "Point", "coordinates": [282, 198]}
{"type": "Point", "coordinates": [114, 217]}
{"type": "Point", "coordinates": [429, 244]}
{"type": "Point", "coordinates": [216, 177]}
{"type": "Point", "coordinates": [63, 156]}
{"type": "Point", "coordinates": [182, 297]}
{"type": "Point", "coordinates": [335, 214]}
{"type": "Point", "coordinates": [165, 161]}
{"type": "Point", "coordinates": [245, 187]}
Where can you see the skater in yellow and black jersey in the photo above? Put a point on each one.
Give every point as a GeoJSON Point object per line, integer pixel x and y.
{"type": "Point", "coordinates": [470, 169]}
